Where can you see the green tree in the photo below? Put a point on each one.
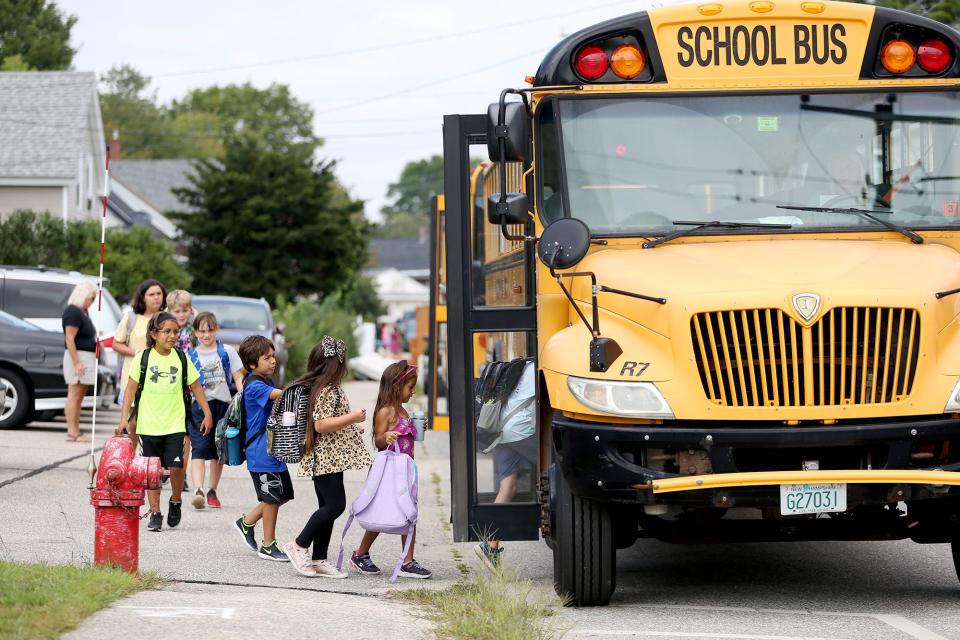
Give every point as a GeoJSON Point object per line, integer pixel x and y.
{"type": "Point", "coordinates": [269, 223]}
{"type": "Point", "coordinates": [410, 195]}
{"type": "Point", "coordinates": [36, 31]}
{"type": "Point", "coordinates": [947, 11]}
{"type": "Point", "coordinates": [279, 121]}
{"type": "Point", "coordinates": [30, 238]}
{"type": "Point", "coordinates": [307, 321]}
{"type": "Point", "coordinates": [128, 106]}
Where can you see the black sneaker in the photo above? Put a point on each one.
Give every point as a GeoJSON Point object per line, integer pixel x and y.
{"type": "Point", "coordinates": [273, 552]}
{"type": "Point", "coordinates": [173, 515]}
{"type": "Point", "coordinates": [413, 569]}
{"type": "Point", "coordinates": [156, 521]}
{"type": "Point", "coordinates": [249, 533]}
{"type": "Point", "coordinates": [489, 555]}
{"type": "Point", "coordinates": [364, 564]}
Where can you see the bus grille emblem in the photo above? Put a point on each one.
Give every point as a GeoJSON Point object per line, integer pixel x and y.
{"type": "Point", "coordinates": [807, 305]}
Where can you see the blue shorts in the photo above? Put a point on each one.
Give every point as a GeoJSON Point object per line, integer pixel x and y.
{"type": "Point", "coordinates": [203, 447]}
{"type": "Point", "coordinates": [515, 457]}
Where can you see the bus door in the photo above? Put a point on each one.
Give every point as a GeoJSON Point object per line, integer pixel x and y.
{"type": "Point", "coordinates": [438, 383]}
{"type": "Point", "coordinates": [491, 331]}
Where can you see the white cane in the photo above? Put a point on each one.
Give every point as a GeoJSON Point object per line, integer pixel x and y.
{"type": "Point", "coordinates": [92, 465]}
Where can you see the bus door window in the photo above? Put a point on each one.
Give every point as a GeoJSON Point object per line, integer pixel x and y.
{"type": "Point", "coordinates": [507, 447]}
{"type": "Point", "coordinates": [500, 266]}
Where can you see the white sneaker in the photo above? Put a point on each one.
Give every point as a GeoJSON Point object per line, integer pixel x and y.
{"type": "Point", "coordinates": [199, 499]}
{"type": "Point", "coordinates": [300, 559]}
{"type": "Point", "coordinates": [324, 569]}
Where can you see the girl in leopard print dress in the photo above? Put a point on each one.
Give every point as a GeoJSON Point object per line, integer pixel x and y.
{"type": "Point", "coordinates": [333, 446]}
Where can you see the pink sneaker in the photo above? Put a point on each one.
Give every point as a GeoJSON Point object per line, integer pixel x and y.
{"type": "Point", "coordinates": [212, 500]}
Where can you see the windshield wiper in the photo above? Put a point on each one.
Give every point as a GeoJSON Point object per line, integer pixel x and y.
{"type": "Point", "coordinates": [866, 213]}
{"type": "Point", "coordinates": [697, 226]}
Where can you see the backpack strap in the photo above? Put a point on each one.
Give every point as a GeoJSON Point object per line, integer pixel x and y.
{"type": "Point", "coordinates": [184, 370]}
{"type": "Point", "coordinates": [144, 359]}
{"type": "Point", "coordinates": [248, 439]}
{"type": "Point", "coordinates": [131, 323]}
{"type": "Point", "coordinates": [195, 359]}
{"type": "Point", "coordinates": [225, 363]}
{"type": "Point", "coordinates": [342, 536]}
{"type": "Point", "coordinates": [403, 554]}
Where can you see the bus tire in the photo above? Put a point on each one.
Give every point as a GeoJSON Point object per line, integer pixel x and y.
{"type": "Point", "coordinates": [584, 557]}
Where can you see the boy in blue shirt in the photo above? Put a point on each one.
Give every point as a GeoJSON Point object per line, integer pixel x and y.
{"type": "Point", "coordinates": [271, 480]}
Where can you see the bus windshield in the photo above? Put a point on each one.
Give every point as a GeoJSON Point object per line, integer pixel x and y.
{"type": "Point", "coordinates": [633, 166]}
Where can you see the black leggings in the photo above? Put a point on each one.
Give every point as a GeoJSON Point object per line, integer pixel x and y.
{"type": "Point", "coordinates": [332, 501]}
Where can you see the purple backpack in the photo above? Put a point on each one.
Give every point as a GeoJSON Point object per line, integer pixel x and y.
{"type": "Point", "coordinates": [388, 503]}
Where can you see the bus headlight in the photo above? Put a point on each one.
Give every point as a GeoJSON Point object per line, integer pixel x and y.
{"type": "Point", "coordinates": [953, 400]}
{"type": "Point", "coordinates": [635, 399]}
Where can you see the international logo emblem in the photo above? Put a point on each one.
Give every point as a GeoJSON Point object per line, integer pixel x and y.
{"type": "Point", "coordinates": [807, 305]}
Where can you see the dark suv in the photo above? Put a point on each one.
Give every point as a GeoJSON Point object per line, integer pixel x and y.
{"type": "Point", "coordinates": [241, 317]}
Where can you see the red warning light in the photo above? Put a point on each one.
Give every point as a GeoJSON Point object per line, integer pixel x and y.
{"type": "Point", "coordinates": [621, 150]}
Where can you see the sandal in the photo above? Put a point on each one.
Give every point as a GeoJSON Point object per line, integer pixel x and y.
{"type": "Point", "coordinates": [80, 437]}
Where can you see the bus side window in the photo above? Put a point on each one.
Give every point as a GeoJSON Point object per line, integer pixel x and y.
{"type": "Point", "coordinates": [551, 179]}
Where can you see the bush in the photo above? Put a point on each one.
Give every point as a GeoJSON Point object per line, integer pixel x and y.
{"type": "Point", "coordinates": [307, 321]}
{"type": "Point", "coordinates": [31, 239]}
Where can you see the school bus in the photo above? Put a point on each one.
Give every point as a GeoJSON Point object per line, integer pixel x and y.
{"type": "Point", "coordinates": [726, 237]}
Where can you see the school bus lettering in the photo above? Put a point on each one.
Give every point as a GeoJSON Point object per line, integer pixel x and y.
{"type": "Point", "coordinates": [741, 45]}
{"type": "Point", "coordinates": [633, 369]}
{"type": "Point", "coordinates": [820, 44]}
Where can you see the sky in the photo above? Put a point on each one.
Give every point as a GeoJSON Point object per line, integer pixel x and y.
{"type": "Point", "coordinates": [378, 75]}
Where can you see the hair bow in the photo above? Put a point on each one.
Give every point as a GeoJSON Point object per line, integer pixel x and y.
{"type": "Point", "coordinates": [333, 347]}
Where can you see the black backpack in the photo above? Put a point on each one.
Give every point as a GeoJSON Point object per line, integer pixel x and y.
{"type": "Point", "coordinates": [498, 381]}
{"type": "Point", "coordinates": [144, 360]}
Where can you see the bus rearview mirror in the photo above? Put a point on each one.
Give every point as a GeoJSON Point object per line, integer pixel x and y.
{"type": "Point", "coordinates": [564, 243]}
{"type": "Point", "coordinates": [516, 132]}
{"type": "Point", "coordinates": [515, 209]}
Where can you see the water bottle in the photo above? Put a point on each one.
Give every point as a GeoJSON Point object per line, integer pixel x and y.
{"type": "Point", "coordinates": [289, 418]}
{"type": "Point", "coordinates": [419, 421]}
{"type": "Point", "coordinates": [233, 446]}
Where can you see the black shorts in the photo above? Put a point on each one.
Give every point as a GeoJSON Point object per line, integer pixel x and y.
{"type": "Point", "coordinates": [272, 487]}
{"type": "Point", "coordinates": [168, 448]}
{"type": "Point", "coordinates": [516, 457]}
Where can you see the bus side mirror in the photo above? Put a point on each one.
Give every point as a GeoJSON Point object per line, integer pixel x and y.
{"type": "Point", "coordinates": [515, 209]}
{"type": "Point", "coordinates": [515, 132]}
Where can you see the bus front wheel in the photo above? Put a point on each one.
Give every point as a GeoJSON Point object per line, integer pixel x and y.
{"type": "Point", "coordinates": [584, 556]}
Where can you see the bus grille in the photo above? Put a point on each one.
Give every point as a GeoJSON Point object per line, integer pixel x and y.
{"type": "Point", "coordinates": [764, 358]}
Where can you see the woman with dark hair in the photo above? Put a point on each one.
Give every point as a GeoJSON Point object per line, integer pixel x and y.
{"type": "Point", "coordinates": [131, 335]}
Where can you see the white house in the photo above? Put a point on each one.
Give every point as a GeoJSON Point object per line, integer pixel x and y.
{"type": "Point", "coordinates": [52, 153]}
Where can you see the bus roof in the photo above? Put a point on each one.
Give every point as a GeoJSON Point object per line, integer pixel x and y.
{"type": "Point", "coordinates": [750, 45]}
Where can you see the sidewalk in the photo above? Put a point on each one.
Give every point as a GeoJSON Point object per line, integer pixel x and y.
{"type": "Point", "coordinates": [217, 586]}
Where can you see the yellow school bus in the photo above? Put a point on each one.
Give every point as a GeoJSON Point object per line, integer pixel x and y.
{"type": "Point", "coordinates": [706, 288]}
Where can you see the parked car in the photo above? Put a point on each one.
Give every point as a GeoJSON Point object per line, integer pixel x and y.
{"type": "Point", "coordinates": [241, 317]}
{"type": "Point", "coordinates": [39, 295]}
{"type": "Point", "coordinates": [31, 372]}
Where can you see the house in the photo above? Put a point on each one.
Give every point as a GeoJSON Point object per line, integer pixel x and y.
{"type": "Point", "coordinates": [141, 192]}
{"type": "Point", "coordinates": [409, 256]}
{"type": "Point", "coordinates": [52, 154]}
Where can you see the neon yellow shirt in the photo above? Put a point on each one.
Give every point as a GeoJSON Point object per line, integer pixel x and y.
{"type": "Point", "coordinates": [161, 409]}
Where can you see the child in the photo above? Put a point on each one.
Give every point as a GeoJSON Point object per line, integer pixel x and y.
{"type": "Point", "coordinates": [391, 423]}
{"type": "Point", "coordinates": [180, 304]}
{"type": "Point", "coordinates": [219, 365]}
{"type": "Point", "coordinates": [161, 412]}
{"type": "Point", "coordinates": [333, 446]}
{"type": "Point", "coordinates": [271, 480]}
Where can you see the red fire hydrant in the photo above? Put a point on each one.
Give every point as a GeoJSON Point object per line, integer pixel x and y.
{"type": "Point", "coordinates": [122, 480]}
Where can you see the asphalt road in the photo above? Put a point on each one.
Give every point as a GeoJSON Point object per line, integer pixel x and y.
{"type": "Point", "coordinates": [854, 591]}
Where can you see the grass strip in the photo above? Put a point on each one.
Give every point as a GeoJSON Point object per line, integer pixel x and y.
{"type": "Point", "coordinates": [44, 601]}
{"type": "Point", "coordinates": [488, 606]}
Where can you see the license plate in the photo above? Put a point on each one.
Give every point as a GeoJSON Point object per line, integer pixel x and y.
{"type": "Point", "coordinates": [812, 498]}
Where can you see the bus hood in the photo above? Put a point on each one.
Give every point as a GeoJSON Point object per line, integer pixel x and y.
{"type": "Point", "coordinates": [709, 276]}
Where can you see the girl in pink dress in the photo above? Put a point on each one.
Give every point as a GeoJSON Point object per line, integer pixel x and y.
{"type": "Point", "coordinates": [392, 424]}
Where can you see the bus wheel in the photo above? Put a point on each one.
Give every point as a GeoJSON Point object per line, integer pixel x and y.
{"type": "Point", "coordinates": [584, 557]}
{"type": "Point", "coordinates": [954, 551]}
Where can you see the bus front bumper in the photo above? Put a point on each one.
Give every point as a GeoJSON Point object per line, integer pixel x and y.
{"type": "Point", "coordinates": [744, 465]}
